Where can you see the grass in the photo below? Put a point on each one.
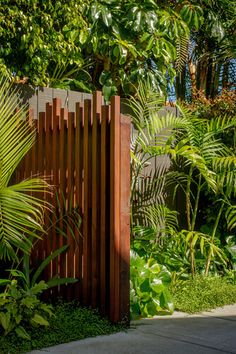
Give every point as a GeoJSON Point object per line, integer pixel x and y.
{"type": "Point", "coordinates": [203, 294]}
{"type": "Point", "coordinates": [71, 322]}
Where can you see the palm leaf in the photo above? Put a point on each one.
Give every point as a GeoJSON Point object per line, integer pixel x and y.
{"type": "Point", "coordinates": [182, 51]}
{"type": "Point", "coordinates": [21, 214]}
{"type": "Point", "coordinates": [231, 217]}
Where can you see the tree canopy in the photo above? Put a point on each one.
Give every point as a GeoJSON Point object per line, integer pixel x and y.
{"type": "Point", "coordinates": [211, 50]}
{"type": "Point", "coordinates": [89, 44]}
{"type": "Point", "coordinates": [112, 44]}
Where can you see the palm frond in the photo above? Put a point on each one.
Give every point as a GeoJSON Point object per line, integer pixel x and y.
{"type": "Point", "coordinates": [161, 218]}
{"type": "Point", "coordinates": [21, 214]}
{"type": "Point", "coordinates": [182, 52]}
{"type": "Point", "coordinates": [219, 124]}
{"type": "Point", "coordinates": [212, 148]}
{"type": "Point", "coordinates": [225, 168]}
{"type": "Point", "coordinates": [230, 216]}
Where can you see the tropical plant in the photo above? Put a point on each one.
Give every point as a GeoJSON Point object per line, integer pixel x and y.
{"type": "Point", "coordinates": [149, 293]}
{"type": "Point", "coordinates": [120, 41]}
{"type": "Point", "coordinates": [156, 134]}
{"type": "Point", "coordinates": [151, 141]}
{"type": "Point", "coordinates": [20, 308]}
{"type": "Point", "coordinates": [204, 137]}
{"type": "Point", "coordinates": [21, 213]}
{"type": "Point", "coordinates": [53, 38]}
{"type": "Point", "coordinates": [204, 163]}
{"type": "Point", "coordinates": [207, 57]}
{"type": "Point", "coordinates": [62, 218]}
{"type": "Point", "coordinates": [224, 104]}
{"type": "Point", "coordinates": [28, 277]}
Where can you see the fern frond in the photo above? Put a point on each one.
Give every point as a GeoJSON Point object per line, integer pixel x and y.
{"type": "Point", "coordinates": [182, 51]}
{"type": "Point", "coordinates": [230, 216]}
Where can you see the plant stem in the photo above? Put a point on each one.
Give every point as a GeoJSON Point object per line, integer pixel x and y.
{"type": "Point", "coordinates": [188, 202]}
{"type": "Point", "coordinates": [208, 262]}
{"type": "Point", "coordinates": [196, 203]}
{"type": "Point", "coordinates": [192, 258]}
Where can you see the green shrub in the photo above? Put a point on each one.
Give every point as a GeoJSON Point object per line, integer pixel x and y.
{"type": "Point", "coordinates": [149, 293]}
{"type": "Point", "coordinates": [203, 294]}
{"type": "Point", "coordinates": [20, 308]}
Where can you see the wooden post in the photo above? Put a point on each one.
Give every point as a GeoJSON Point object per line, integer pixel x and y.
{"type": "Point", "coordinates": [86, 207]}
{"type": "Point", "coordinates": [96, 164]}
{"type": "Point", "coordinates": [125, 220]}
{"type": "Point", "coordinates": [105, 212]}
{"type": "Point", "coordinates": [115, 209]}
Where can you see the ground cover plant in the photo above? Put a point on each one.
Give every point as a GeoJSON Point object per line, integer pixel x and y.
{"type": "Point", "coordinates": [69, 322]}
{"type": "Point", "coordinates": [203, 294]}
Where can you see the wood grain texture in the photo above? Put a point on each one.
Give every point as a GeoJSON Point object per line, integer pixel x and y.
{"type": "Point", "coordinates": [85, 155]}
{"type": "Point", "coordinates": [115, 166]}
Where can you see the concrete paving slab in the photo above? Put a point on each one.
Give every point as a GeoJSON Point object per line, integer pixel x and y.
{"type": "Point", "coordinates": [205, 333]}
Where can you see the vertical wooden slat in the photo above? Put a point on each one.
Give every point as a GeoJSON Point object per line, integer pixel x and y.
{"type": "Point", "coordinates": [70, 197]}
{"type": "Point", "coordinates": [48, 172]}
{"type": "Point", "coordinates": [104, 223]}
{"type": "Point", "coordinates": [78, 196]}
{"type": "Point", "coordinates": [33, 168]}
{"type": "Point", "coordinates": [86, 215]}
{"type": "Point", "coordinates": [97, 103]}
{"type": "Point", "coordinates": [33, 151]}
{"type": "Point", "coordinates": [40, 158]}
{"type": "Point", "coordinates": [62, 190]}
{"type": "Point", "coordinates": [55, 180]}
{"type": "Point", "coordinates": [115, 209]}
{"type": "Point", "coordinates": [125, 219]}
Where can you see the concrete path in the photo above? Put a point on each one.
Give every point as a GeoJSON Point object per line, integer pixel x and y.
{"type": "Point", "coordinates": [205, 333]}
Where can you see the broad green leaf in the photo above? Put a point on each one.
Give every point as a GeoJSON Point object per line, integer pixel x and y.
{"type": "Point", "coordinates": [60, 281]}
{"type": "Point", "coordinates": [5, 320]}
{"type": "Point", "coordinates": [106, 16]}
{"type": "Point", "coordinates": [38, 319]}
{"type": "Point", "coordinates": [38, 288]}
{"type": "Point", "coordinates": [21, 332]}
{"type": "Point", "coordinates": [29, 301]}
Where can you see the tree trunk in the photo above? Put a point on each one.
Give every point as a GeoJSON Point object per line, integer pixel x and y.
{"type": "Point", "coordinates": [209, 77]}
{"type": "Point", "coordinates": [180, 85]}
{"type": "Point", "coordinates": [215, 84]}
{"type": "Point", "coordinates": [225, 76]}
{"type": "Point", "coordinates": [202, 75]}
{"type": "Point", "coordinates": [192, 73]}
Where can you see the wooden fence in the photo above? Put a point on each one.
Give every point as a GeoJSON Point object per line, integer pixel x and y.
{"type": "Point", "coordinates": [85, 155]}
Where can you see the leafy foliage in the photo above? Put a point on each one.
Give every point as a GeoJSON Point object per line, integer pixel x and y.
{"type": "Point", "coordinates": [20, 308]}
{"type": "Point", "coordinates": [149, 293]}
{"type": "Point", "coordinates": [70, 322]}
{"type": "Point", "coordinates": [221, 105]}
{"type": "Point", "coordinates": [210, 64]}
{"type": "Point", "coordinates": [204, 163]}
{"type": "Point", "coordinates": [29, 277]}
{"type": "Point", "coordinates": [21, 214]}
{"type": "Point", "coordinates": [35, 50]}
{"type": "Point", "coordinates": [91, 44]}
